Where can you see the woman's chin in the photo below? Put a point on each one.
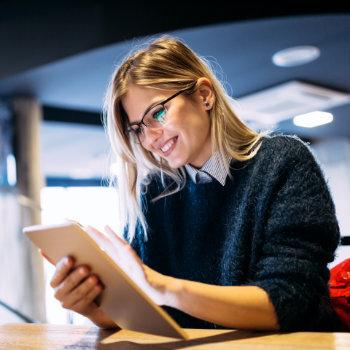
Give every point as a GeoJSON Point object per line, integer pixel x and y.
{"type": "Point", "coordinates": [175, 163]}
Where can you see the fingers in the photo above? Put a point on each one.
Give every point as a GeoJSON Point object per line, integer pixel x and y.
{"type": "Point", "coordinates": [116, 240]}
{"type": "Point", "coordinates": [72, 280]}
{"type": "Point", "coordinates": [119, 250]}
{"type": "Point", "coordinates": [112, 244]}
{"type": "Point", "coordinates": [62, 269]}
{"type": "Point", "coordinates": [99, 237]}
{"type": "Point", "coordinates": [94, 231]}
{"type": "Point", "coordinates": [102, 238]}
{"type": "Point", "coordinates": [75, 288]}
{"type": "Point", "coordinates": [114, 236]}
{"type": "Point", "coordinates": [82, 295]}
{"type": "Point", "coordinates": [88, 299]}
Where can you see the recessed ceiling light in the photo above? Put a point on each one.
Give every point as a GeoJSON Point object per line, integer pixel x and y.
{"type": "Point", "coordinates": [295, 56]}
{"type": "Point", "coordinates": [312, 119]}
{"type": "Point", "coordinates": [284, 101]}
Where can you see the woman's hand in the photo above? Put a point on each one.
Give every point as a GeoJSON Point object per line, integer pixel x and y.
{"type": "Point", "coordinates": [151, 282]}
{"type": "Point", "coordinates": [75, 288]}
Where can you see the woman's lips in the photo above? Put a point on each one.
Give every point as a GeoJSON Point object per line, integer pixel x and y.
{"type": "Point", "coordinates": [168, 147]}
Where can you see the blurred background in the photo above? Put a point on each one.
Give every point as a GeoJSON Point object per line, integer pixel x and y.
{"type": "Point", "coordinates": [280, 61]}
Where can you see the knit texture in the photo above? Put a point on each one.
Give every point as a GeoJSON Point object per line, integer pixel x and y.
{"type": "Point", "coordinates": [272, 225]}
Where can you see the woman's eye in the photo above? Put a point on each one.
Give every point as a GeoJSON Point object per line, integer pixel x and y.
{"type": "Point", "coordinates": [159, 114]}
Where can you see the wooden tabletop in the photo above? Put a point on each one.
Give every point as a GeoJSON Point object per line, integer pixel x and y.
{"type": "Point", "coordinates": [43, 336]}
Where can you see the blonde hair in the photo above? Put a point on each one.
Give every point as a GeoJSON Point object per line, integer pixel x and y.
{"type": "Point", "coordinates": [166, 63]}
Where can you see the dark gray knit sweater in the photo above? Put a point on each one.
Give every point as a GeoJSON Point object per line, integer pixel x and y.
{"type": "Point", "coordinates": [272, 225]}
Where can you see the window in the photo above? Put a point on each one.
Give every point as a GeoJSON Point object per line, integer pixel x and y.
{"type": "Point", "coordinates": [95, 206]}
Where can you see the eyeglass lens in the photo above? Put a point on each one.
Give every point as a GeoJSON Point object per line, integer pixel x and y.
{"type": "Point", "coordinates": [155, 118]}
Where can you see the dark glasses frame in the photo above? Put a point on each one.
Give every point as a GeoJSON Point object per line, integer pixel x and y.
{"type": "Point", "coordinates": [138, 124]}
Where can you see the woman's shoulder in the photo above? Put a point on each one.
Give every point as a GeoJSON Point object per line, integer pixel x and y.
{"type": "Point", "coordinates": [285, 147]}
{"type": "Point", "coordinates": [284, 140]}
{"type": "Point", "coordinates": [279, 153]}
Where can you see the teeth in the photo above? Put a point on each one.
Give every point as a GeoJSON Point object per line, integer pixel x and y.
{"type": "Point", "coordinates": [167, 146]}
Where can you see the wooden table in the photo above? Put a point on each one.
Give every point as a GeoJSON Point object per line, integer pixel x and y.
{"type": "Point", "coordinates": [42, 336]}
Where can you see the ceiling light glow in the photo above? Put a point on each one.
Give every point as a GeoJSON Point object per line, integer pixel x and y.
{"type": "Point", "coordinates": [313, 119]}
{"type": "Point", "coordinates": [295, 56]}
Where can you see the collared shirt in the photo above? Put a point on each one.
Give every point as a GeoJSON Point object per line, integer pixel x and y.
{"type": "Point", "coordinates": [209, 171]}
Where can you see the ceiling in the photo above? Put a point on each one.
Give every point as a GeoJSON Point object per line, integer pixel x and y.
{"type": "Point", "coordinates": [64, 54]}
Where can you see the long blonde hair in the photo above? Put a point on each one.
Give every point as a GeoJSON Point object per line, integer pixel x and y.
{"type": "Point", "coordinates": [166, 63]}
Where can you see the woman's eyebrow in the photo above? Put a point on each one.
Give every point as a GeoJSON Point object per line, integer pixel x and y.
{"type": "Point", "coordinates": [147, 110]}
{"type": "Point", "coordinates": [154, 104]}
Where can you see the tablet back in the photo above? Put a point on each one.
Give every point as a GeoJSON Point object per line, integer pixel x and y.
{"type": "Point", "coordinates": [122, 300]}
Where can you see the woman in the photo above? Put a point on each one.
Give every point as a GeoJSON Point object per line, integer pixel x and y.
{"type": "Point", "coordinates": [234, 228]}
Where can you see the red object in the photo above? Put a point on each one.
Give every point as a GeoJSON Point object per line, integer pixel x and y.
{"type": "Point", "coordinates": [339, 286]}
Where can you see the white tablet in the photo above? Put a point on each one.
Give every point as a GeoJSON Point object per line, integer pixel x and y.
{"type": "Point", "coordinates": [121, 299]}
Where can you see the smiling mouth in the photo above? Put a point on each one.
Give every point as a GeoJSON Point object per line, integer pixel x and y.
{"type": "Point", "coordinates": [167, 148]}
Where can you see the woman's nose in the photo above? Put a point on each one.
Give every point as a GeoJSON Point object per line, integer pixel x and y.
{"type": "Point", "coordinates": [151, 135]}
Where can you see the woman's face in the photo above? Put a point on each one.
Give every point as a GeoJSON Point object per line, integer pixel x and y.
{"type": "Point", "coordinates": [185, 137]}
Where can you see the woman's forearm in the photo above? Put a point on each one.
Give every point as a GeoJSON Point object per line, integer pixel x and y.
{"type": "Point", "coordinates": [239, 307]}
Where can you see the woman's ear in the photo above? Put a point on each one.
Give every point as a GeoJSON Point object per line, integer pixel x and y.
{"type": "Point", "coordinates": [206, 93]}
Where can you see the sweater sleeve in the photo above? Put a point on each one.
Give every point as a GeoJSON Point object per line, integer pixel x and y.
{"type": "Point", "coordinates": [301, 234]}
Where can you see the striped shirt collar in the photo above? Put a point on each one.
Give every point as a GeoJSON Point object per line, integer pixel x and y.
{"type": "Point", "coordinates": [209, 171]}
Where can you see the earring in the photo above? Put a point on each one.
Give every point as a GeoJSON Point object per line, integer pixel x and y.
{"type": "Point", "coordinates": [207, 104]}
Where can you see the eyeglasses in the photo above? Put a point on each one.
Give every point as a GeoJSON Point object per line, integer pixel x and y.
{"type": "Point", "coordinates": [154, 118]}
